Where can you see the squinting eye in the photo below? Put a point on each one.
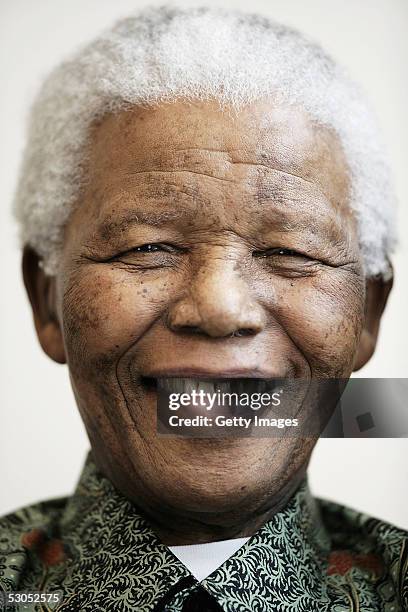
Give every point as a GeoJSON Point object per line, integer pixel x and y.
{"type": "Point", "coordinates": [149, 248]}
{"type": "Point", "coordinates": [163, 252]}
{"type": "Point", "coordinates": [277, 251]}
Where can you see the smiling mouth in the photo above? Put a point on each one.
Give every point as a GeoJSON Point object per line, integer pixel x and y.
{"type": "Point", "coordinates": [188, 384]}
{"type": "Point", "coordinates": [149, 380]}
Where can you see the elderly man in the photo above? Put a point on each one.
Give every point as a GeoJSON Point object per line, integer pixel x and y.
{"type": "Point", "coordinates": [203, 197]}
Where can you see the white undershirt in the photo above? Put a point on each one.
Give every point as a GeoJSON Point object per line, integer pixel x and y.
{"type": "Point", "coordinates": [203, 559]}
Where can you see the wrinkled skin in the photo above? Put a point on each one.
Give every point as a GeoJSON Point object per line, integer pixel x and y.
{"type": "Point", "coordinates": [256, 272]}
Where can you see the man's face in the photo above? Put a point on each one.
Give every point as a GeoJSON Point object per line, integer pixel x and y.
{"type": "Point", "coordinates": [205, 245]}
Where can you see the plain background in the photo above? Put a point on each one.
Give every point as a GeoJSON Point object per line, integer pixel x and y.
{"type": "Point", "coordinates": [42, 441]}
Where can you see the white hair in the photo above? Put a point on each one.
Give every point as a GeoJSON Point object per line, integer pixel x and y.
{"type": "Point", "coordinates": [165, 53]}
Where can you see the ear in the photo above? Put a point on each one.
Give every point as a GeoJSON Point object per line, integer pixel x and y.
{"type": "Point", "coordinates": [377, 292]}
{"type": "Point", "coordinates": [42, 295]}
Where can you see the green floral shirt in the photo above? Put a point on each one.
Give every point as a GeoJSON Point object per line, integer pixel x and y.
{"type": "Point", "coordinates": [100, 555]}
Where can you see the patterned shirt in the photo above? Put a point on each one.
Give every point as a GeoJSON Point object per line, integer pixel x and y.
{"type": "Point", "coordinates": [101, 555]}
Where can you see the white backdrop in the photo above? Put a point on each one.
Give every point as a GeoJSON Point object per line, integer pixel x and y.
{"type": "Point", "coordinates": [42, 441]}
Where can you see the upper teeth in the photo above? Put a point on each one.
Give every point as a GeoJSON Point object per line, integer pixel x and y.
{"type": "Point", "coordinates": [231, 385]}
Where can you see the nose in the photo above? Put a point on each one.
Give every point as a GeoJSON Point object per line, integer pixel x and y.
{"type": "Point", "coordinates": [218, 303]}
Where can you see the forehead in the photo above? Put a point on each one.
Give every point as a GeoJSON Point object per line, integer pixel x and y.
{"type": "Point", "coordinates": [263, 131]}
{"type": "Point", "coordinates": [199, 156]}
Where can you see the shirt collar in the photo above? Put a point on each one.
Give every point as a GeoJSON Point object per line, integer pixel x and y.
{"type": "Point", "coordinates": [285, 561]}
{"type": "Point", "coordinates": [114, 553]}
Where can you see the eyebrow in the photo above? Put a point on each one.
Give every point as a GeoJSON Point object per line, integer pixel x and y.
{"type": "Point", "coordinates": [119, 223]}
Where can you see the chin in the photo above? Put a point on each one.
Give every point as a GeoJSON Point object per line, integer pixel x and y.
{"type": "Point", "coordinates": [221, 475]}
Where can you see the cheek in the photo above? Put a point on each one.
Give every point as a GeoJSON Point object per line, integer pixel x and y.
{"type": "Point", "coordinates": [105, 312]}
{"type": "Point", "coordinates": [323, 317]}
